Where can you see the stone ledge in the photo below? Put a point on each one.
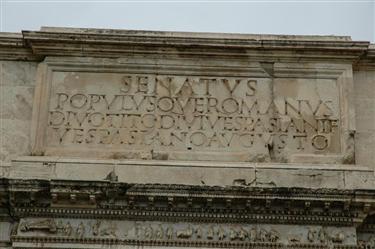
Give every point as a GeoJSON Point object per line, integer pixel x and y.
{"type": "Point", "coordinates": [34, 45]}
{"type": "Point", "coordinates": [114, 43]}
{"type": "Point", "coordinates": [192, 38]}
{"type": "Point", "coordinates": [194, 34]}
{"type": "Point", "coordinates": [367, 61]}
{"type": "Point", "coordinates": [313, 176]}
{"type": "Point", "coordinates": [12, 47]}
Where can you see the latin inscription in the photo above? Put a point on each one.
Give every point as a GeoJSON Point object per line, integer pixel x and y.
{"type": "Point", "coordinates": [183, 113]}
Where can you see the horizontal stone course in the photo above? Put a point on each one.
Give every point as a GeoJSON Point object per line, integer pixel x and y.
{"type": "Point", "coordinates": [196, 173]}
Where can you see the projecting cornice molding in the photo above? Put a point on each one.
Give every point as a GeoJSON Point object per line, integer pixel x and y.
{"type": "Point", "coordinates": [367, 62]}
{"type": "Point", "coordinates": [171, 203]}
{"type": "Point", "coordinates": [35, 45]}
{"type": "Point", "coordinates": [12, 47]}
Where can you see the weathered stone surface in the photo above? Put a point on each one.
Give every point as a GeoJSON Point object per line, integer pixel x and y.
{"type": "Point", "coordinates": [17, 81]}
{"type": "Point", "coordinates": [364, 148]}
{"type": "Point", "coordinates": [17, 103]}
{"type": "Point", "coordinates": [5, 228]}
{"type": "Point", "coordinates": [313, 176]}
{"type": "Point", "coordinates": [18, 73]}
{"type": "Point", "coordinates": [359, 180]}
{"type": "Point", "coordinates": [15, 139]}
{"type": "Point", "coordinates": [151, 231]}
{"type": "Point", "coordinates": [308, 178]}
{"type": "Point", "coordinates": [365, 117]}
{"type": "Point", "coordinates": [364, 84]}
{"type": "Point", "coordinates": [174, 116]}
{"type": "Point", "coordinates": [186, 140]}
{"type": "Point", "coordinates": [365, 114]}
{"type": "Point", "coordinates": [32, 170]}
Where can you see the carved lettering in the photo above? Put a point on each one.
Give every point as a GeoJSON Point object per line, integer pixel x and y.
{"type": "Point", "coordinates": [182, 113]}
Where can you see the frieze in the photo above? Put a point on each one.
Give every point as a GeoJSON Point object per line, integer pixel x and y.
{"type": "Point", "coordinates": [165, 216]}
{"type": "Point", "coordinates": [48, 225]}
{"type": "Point", "coordinates": [367, 242]}
{"type": "Point", "coordinates": [39, 228]}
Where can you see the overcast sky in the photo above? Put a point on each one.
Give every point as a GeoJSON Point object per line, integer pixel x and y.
{"type": "Point", "coordinates": [353, 18]}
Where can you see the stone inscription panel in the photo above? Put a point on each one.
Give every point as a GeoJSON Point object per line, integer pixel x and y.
{"type": "Point", "coordinates": [149, 116]}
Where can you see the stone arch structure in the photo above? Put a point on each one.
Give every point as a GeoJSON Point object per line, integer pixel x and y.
{"type": "Point", "coordinates": [124, 139]}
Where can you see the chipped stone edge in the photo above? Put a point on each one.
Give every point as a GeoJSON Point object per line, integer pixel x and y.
{"type": "Point", "coordinates": [314, 176]}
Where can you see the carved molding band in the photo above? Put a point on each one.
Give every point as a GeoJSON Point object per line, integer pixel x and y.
{"type": "Point", "coordinates": [191, 234]}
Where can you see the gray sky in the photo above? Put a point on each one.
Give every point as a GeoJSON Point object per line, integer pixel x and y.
{"type": "Point", "coordinates": [353, 18]}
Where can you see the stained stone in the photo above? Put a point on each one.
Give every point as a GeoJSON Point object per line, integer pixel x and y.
{"type": "Point", "coordinates": [18, 73]}
{"type": "Point", "coordinates": [17, 102]}
{"type": "Point", "coordinates": [15, 138]}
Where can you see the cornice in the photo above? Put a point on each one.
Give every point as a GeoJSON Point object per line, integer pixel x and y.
{"type": "Point", "coordinates": [13, 47]}
{"type": "Point", "coordinates": [92, 42]}
{"type": "Point", "coordinates": [35, 45]}
{"type": "Point", "coordinates": [192, 39]}
{"type": "Point", "coordinates": [227, 208]}
{"type": "Point", "coordinates": [173, 203]}
{"type": "Point", "coordinates": [367, 61]}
